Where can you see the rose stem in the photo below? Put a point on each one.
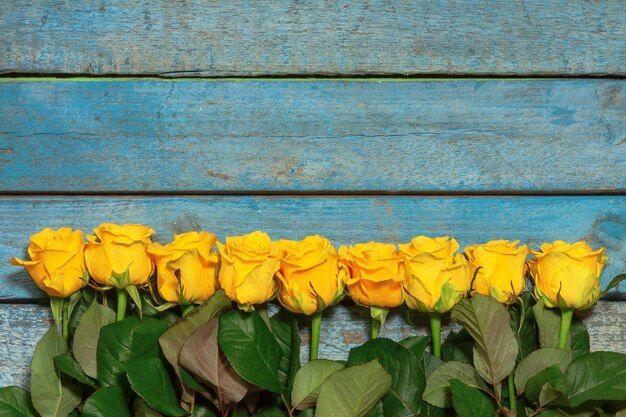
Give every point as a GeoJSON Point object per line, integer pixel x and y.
{"type": "Point", "coordinates": [435, 333]}
{"type": "Point", "coordinates": [121, 304]}
{"type": "Point", "coordinates": [511, 386]}
{"type": "Point", "coordinates": [566, 321]}
{"type": "Point", "coordinates": [316, 325]}
{"type": "Point", "coordinates": [187, 309]}
{"type": "Point", "coordinates": [375, 327]}
{"type": "Point", "coordinates": [66, 320]}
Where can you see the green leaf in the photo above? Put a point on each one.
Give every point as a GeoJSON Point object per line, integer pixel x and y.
{"type": "Point", "coordinates": [407, 374]}
{"type": "Point", "coordinates": [308, 381]}
{"type": "Point", "coordinates": [134, 295]}
{"type": "Point", "coordinates": [470, 402]}
{"type": "Point", "coordinates": [53, 395]}
{"type": "Point", "coordinates": [273, 411]}
{"type": "Point", "coordinates": [549, 324]}
{"type": "Point", "coordinates": [428, 410]}
{"type": "Point", "coordinates": [523, 325]}
{"type": "Point", "coordinates": [614, 283]}
{"type": "Point", "coordinates": [488, 322]}
{"type": "Point", "coordinates": [150, 379]}
{"type": "Point", "coordinates": [438, 391]}
{"type": "Point", "coordinates": [416, 345]}
{"type": "Point", "coordinates": [56, 306]}
{"type": "Point", "coordinates": [83, 303]}
{"type": "Point", "coordinates": [190, 381]}
{"type": "Point", "coordinates": [120, 342]}
{"type": "Point", "coordinates": [106, 402]}
{"type": "Point", "coordinates": [285, 328]}
{"type": "Point", "coordinates": [352, 392]}
{"type": "Point", "coordinates": [597, 376]}
{"type": "Point", "coordinates": [145, 341]}
{"type": "Point", "coordinates": [201, 356]}
{"type": "Point", "coordinates": [141, 409]}
{"type": "Point", "coordinates": [376, 411]}
{"type": "Point", "coordinates": [240, 411]}
{"type": "Point", "coordinates": [173, 339]}
{"type": "Point", "coordinates": [15, 402]}
{"type": "Point", "coordinates": [552, 375]}
{"type": "Point", "coordinates": [430, 363]}
{"type": "Point", "coordinates": [458, 347]}
{"type": "Point", "coordinates": [538, 361]}
{"type": "Point", "coordinates": [67, 365]}
{"type": "Point", "coordinates": [579, 338]}
{"type": "Point", "coordinates": [87, 335]}
{"type": "Point", "coordinates": [114, 350]}
{"type": "Point", "coordinates": [251, 349]}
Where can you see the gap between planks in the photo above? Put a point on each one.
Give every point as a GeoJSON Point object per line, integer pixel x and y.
{"type": "Point", "coordinates": [323, 193]}
{"type": "Point", "coordinates": [417, 77]}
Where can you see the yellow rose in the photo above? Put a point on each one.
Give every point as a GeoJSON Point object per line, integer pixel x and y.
{"type": "Point", "coordinates": [190, 256]}
{"type": "Point", "coordinates": [309, 269]}
{"type": "Point", "coordinates": [57, 264]}
{"type": "Point", "coordinates": [375, 274]}
{"type": "Point", "coordinates": [567, 275]}
{"type": "Point", "coordinates": [436, 278]}
{"type": "Point", "coordinates": [117, 249]}
{"type": "Point", "coordinates": [502, 269]}
{"type": "Point", "coordinates": [248, 266]}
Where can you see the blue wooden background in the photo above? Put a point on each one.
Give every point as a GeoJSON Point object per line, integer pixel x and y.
{"type": "Point", "coordinates": [369, 120]}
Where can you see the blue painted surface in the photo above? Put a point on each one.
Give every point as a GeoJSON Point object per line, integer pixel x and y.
{"type": "Point", "coordinates": [123, 135]}
{"type": "Point", "coordinates": [240, 37]}
{"type": "Point", "coordinates": [344, 220]}
{"type": "Point", "coordinates": [286, 135]}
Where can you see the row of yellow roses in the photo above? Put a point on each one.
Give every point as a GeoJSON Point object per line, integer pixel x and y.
{"type": "Point", "coordinates": [427, 273]}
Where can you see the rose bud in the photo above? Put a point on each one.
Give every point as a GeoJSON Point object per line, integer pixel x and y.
{"type": "Point", "coordinates": [567, 276]}
{"type": "Point", "coordinates": [375, 274]}
{"type": "Point", "coordinates": [248, 266]}
{"type": "Point", "coordinates": [186, 264]}
{"type": "Point", "coordinates": [57, 264]}
{"type": "Point", "coordinates": [309, 270]}
{"type": "Point", "coordinates": [436, 278]}
{"type": "Point", "coordinates": [115, 250]}
{"type": "Point", "coordinates": [502, 269]}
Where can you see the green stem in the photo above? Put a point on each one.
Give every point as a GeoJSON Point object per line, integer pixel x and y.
{"type": "Point", "coordinates": [187, 309]}
{"type": "Point", "coordinates": [316, 325]}
{"type": "Point", "coordinates": [435, 333]}
{"type": "Point", "coordinates": [289, 409]}
{"type": "Point", "coordinates": [566, 321]}
{"type": "Point", "coordinates": [511, 386]}
{"type": "Point", "coordinates": [66, 320]}
{"type": "Point", "coordinates": [375, 327]}
{"type": "Point", "coordinates": [121, 304]}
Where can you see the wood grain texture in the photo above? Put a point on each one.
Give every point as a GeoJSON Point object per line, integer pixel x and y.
{"type": "Point", "coordinates": [315, 37]}
{"type": "Point", "coordinates": [599, 219]}
{"type": "Point", "coordinates": [21, 327]}
{"type": "Point", "coordinates": [288, 135]}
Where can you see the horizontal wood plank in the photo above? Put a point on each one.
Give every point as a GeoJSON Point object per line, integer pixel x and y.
{"type": "Point", "coordinates": [21, 327]}
{"type": "Point", "coordinates": [312, 135]}
{"type": "Point", "coordinates": [239, 37]}
{"type": "Point", "coordinates": [599, 219]}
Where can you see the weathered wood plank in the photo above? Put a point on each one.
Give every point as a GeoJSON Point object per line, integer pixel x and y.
{"type": "Point", "coordinates": [290, 135]}
{"type": "Point", "coordinates": [21, 326]}
{"type": "Point", "coordinates": [314, 37]}
{"type": "Point", "coordinates": [599, 219]}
